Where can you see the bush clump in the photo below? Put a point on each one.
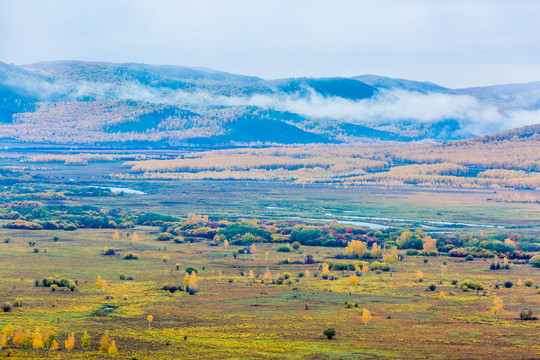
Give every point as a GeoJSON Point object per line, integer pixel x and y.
{"type": "Point", "coordinates": [284, 248]}
{"type": "Point", "coordinates": [508, 284]}
{"type": "Point", "coordinates": [329, 333]}
{"type": "Point", "coordinates": [471, 285]}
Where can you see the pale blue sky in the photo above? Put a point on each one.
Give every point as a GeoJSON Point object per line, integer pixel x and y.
{"type": "Point", "coordinates": [455, 43]}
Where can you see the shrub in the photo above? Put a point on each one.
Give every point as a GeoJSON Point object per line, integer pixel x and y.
{"type": "Point", "coordinates": [296, 245]}
{"type": "Point", "coordinates": [535, 261]}
{"type": "Point", "coordinates": [284, 248]}
{"type": "Point", "coordinates": [131, 257]}
{"type": "Point", "coordinates": [471, 285]}
{"type": "Point", "coordinates": [6, 307]}
{"type": "Point", "coordinates": [469, 257]}
{"type": "Point", "coordinates": [508, 284]}
{"type": "Point", "coordinates": [109, 252]}
{"type": "Point", "coordinates": [528, 282]}
{"type": "Point", "coordinates": [165, 236]}
{"type": "Point", "coordinates": [190, 269]}
{"type": "Point", "coordinates": [425, 261]}
{"type": "Point", "coordinates": [527, 315]}
{"type": "Point", "coordinates": [329, 333]}
{"type": "Point", "coordinates": [309, 259]}
{"type": "Point", "coordinates": [411, 252]}
{"type": "Point", "coordinates": [17, 303]}
{"type": "Point", "coordinates": [122, 277]}
{"type": "Point", "coordinates": [380, 266]}
{"type": "Point", "coordinates": [432, 287]}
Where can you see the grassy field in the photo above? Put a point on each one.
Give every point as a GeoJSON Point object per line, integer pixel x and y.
{"type": "Point", "coordinates": [233, 319]}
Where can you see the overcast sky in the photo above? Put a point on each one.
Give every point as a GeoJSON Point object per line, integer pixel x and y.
{"type": "Point", "coordinates": [455, 43]}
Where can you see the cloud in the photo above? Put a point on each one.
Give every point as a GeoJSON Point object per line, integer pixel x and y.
{"type": "Point", "coordinates": [386, 107]}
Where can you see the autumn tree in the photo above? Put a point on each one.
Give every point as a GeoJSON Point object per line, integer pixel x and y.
{"type": "Point", "coordinates": [356, 248]}
{"type": "Point", "coordinates": [498, 308]}
{"type": "Point", "coordinates": [135, 238]}
{"type": "Point", "coordinates": [419, 276]}
{"type": "Point", "coordinates": [252, 251]}
{"type": "Point", "coordinates": [267, 276]}
{"type": "Point", "coordinates": [54, 346]}
{"type": "Point", "coordinates": [366, 316]}
{"type": "Point", "coordinates": [116, 236]}
{"type": "Point", "coordinates": [37, 340]}
{"type": "Point", "coordinates": [3, 341]}
{"type": "Point", "coordinates": [441, 295]}
{"type": "Point", "coordinates": [251, 277]}
{"type": "Point", "coordinates": [352, 281]}
{"type": "Point", "coordinates": [150, 318]}
{"type": "Point", "coordinates": [48, 337]}
{"type": "Point", "coordinates": [8, 331]}
{"type": "Point", "coordinates": [70, 342]}
{"type": "Point", "coordinates": [100, 283]}
{"type": "Point", "coordinates": [105, 343]}
{"type": "Point", "coordinates": [112, 351]}
{"type": "Point", "coordinates": [392, 256]}
{"type": "Point", "coordinates": [375, 250]}
{"type": "Point", "coordinates": [192, 285]}
{"type": "Point", "coordinates": [18, 337]}
{"type": "Point", "coordinates": [429, 245]}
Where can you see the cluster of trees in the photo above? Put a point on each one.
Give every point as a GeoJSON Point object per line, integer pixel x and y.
{"type": "Point", "coordinates": [48, 340]}
{"type": "Point", "coordinates": [33, 215]}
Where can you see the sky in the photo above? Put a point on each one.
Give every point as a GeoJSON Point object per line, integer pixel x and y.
{"type": "Point", "coordinates": [454, 43]}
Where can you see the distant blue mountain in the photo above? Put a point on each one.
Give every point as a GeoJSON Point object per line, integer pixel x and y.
{"type": "Point", "coordinates": [145, 103]}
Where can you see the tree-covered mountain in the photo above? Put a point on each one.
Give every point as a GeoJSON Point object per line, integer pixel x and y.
{"type": "Point", "coordinates": [76, 102]}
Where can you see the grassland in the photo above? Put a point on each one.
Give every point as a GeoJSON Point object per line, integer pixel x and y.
{"type": "Point", "coordinates": [232, 319]}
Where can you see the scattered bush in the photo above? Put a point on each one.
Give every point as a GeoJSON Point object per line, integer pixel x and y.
{"type": "Point", "coordinates": [190, 269]}
{"type": "Point", "coordinates": [284, 248]}
{"type": "Point", "coordinates": [165, 236]}
{"type": "Point", "coordinates": [508, 284]}
{"type": "Point", "coordinates": [296, 245]}
{"type": "Point", "coordinates": [535, 261]}
{"type": "Point", "coordinates": [527, 315]}
{"type": "Point", "coordinates": [528, 282]}
{"type": "Point", "coordinates": [411, 252]}
{"type": "Point", "coordinates": [469, 257]}
{"type": "Point", "coordinates": [471, 285]}
{"type": "Point", "coordinates": [329, 333]}
{"type": "Point", "coordinates": [131, 256]}
{"type": "Point", "coordinates": [6, 307]}
{"type": "Point", "coordinates": [432, 287]}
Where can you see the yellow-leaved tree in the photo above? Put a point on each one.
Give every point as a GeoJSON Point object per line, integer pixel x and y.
{"type": "Point", "coordinates": [356, 248]}
{"type": "Point", "coordinates": [37, 340]}
{"type": "Point", "coordinates": [135, 238]}
{"type": "Point", "coordinates": [419, 276]}
{"type": "Point", "coordinates": [430, 245]}
{"type": "Point", "coordinates": [366, 317]}
{"type": "Point", "coordinates": [267, 276]}
{"type": "Point", "coordinates": [70, 342]}
{"type": "Point", "coordinates": [252, 251]}
{"type": "Point", "coordinates": [150, 318]}
{"type": "Point", "coordinates": [375, 250]}
{"type": "Point", "coordinates": [8, 331]}
{"type": "Point", "coordinates": [105, 343]}
{"type": "Point", "coordinates": [498, 308]}
{"type": "Point", "coordinates": [3, 341]}
{"type": "Point", "coordinates": [352, 281]}
{"type": "Point", "coordinates": [54, 346]}
{"type": "Point", "coordinates": [100, 283]}
{"type": "Point", "coordinates": [116, 236]}
{"type": "Point", "coordinates": [441, 295]}
{"type": "Point", "coordinates": [193, 286]}
{"type": "Point", "coordinates": [112, 351]}
{"type": "Point", "coordinates": [251, 277]}
{"type": "Point", "coordinates": [18, 337]}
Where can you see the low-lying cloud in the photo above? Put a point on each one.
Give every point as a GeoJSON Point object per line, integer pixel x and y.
{"type": "Point", "coordinates": [385, 107]}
